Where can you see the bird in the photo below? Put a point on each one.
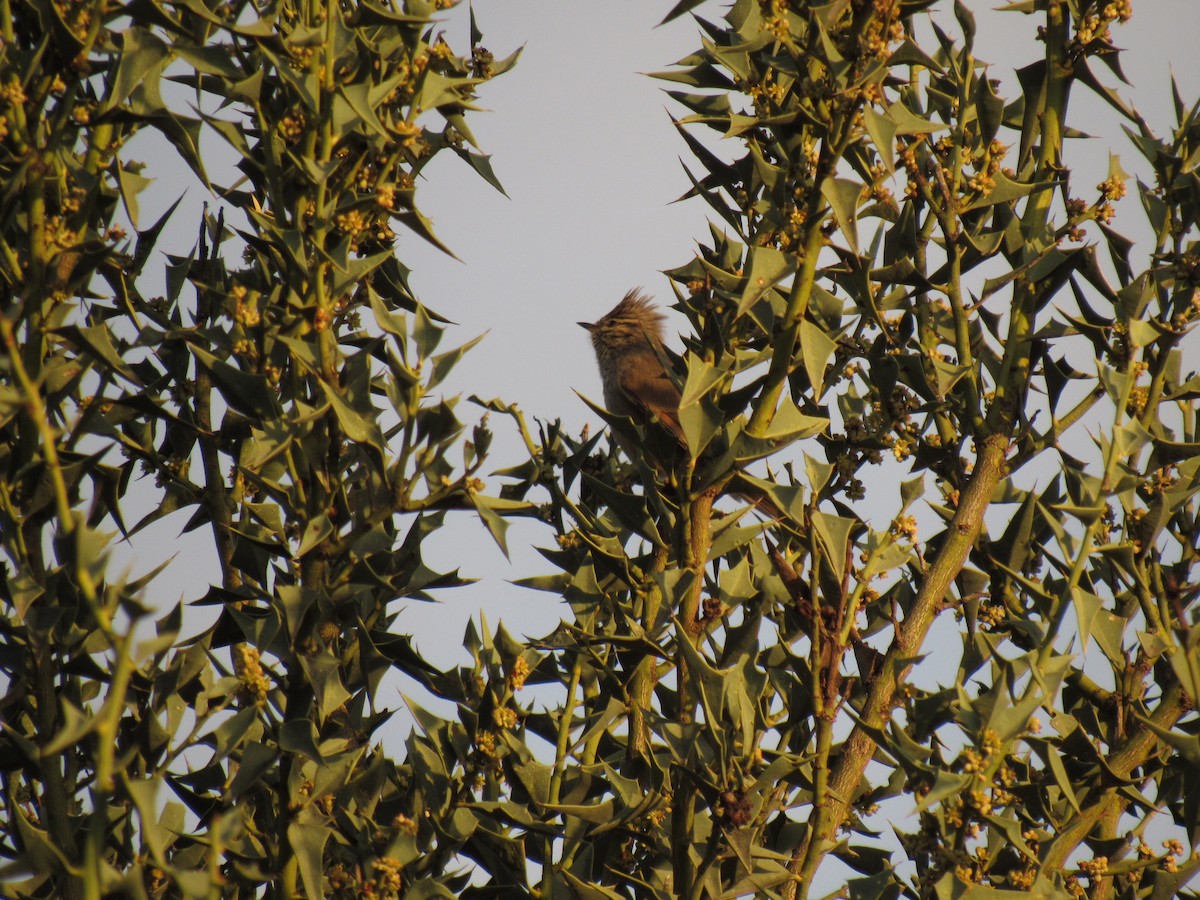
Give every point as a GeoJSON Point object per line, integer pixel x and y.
{"type": "Point", "coordinates": [628, 341]}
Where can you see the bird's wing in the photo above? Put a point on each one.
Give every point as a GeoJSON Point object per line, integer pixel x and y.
{"type": "Point", "coordinates": [655, 395]}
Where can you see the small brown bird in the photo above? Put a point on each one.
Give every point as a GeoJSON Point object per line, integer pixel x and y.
{"type": "Point", "coordinates": [629, 350]}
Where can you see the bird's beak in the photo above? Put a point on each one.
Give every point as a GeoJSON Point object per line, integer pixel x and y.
{"type": "Point", "coordinates": [590, 326]}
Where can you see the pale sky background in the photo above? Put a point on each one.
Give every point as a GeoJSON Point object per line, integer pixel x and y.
{"type": "Point", "coordinates": [584, 146]}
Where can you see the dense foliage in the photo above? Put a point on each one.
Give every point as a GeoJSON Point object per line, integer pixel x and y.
{"type": "Point", "coordinates": [765, 677]}
{"type": "Point", "coordinates": [904, 286]}
{"type": "Point", "coordinates": [288, 396]}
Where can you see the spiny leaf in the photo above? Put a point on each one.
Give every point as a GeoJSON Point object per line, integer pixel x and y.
{"type": "Point", "coordinates": [842, 195]}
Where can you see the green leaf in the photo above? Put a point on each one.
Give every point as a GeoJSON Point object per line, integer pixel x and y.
{"type": "Point", "coordinates": [322, 672]}
{"type": "Point", "coordinates": [589, 890]}
{"type": "Point", "coordinates": [96, 341]}
{"type": "Point", "coordinates": [600, 813]}
{"type": "Point", "coordinates": [816, 348]}
{"type": "Point", "coordinates": [909, 123]}
{"type": "Point", "coordinates": [948, 374]}
{"type": "Point", "coordinates": [1007, 191]}
{"type": "Point", "coordinates": [1087, 607]}
{"type": "Point", "coordinates": [144, 793]}
{"type": "Point", "coordinates": [140, 64]}
{"type": "Point", "coordinates": [355, 426]}
{"type": "Point", "coordinates": [702, 380]}
{"type": "Point", "coordinates": [789, 499]}
{"type": "Point", "coordinates": [768, 267]}
{"type": "Point", "coordinates": [250, 394]}
{"type": "Point", "coordinates": [910, 492]}
{"type": "Point", "coordinates": [183, 132]}
{"type": "Point", "coordinates": [698, 414]}
{"type": "Point", "coordinates": [131, 185]}
{"type": "Point", "coordinates": [75, 727]}
{"type": "Point", "coordinates": [909, 54]}
{"type": "Point", "coordinates": [233, 732]}
{"type": "Point", "coordinates": [347, 274]}
{"type": "Point", "coordinates": [946, 784]}
{"type": "Point", "coordinates": [352, 106]}
{"type": "Point", "coordinates": [40, 854]}
{"type": "Point", "coordinates": [300, 736]}
{"type": "Point", "coordinates": [870, 887]}
{"type": "Point", "coordinates": [535, 777]}
{"type": "Point", "coordinates": [416, 222]}
{"type": "Point", "coordinates": [679, 9]}
{"type": "Point", "coordinates": [833, 533]}
{"type": "Point", "coordinates": [307, 836]}
{"type": "Point", "coordinates": [316, 532]}
{"type": "Point", "coordinates": [631, 510]}
{"type": "Point", "coordinates": [842, 195]}
{"type": "Point", "coordinates": [497, 526]}
{"type": "Point", "coordinates": [482, 164]}
{"type": "Point", "coordinates": [882, 129]}
{"type": "Point", "coordinates": [818, 472]}
{"type": "Point", "coordinates": [1185, 662]}
{"type": "Point", "coordinates": [441, 90]}
{"type": "Point", "coordinates": [989, 109]}
{"type": "Point", "coordinates": [790, 424]}
{"type": "Point", "coordinates": [967, 21]}
{"type": "Point", "coordinates": [377, 14]}
{"type": "Point", "coordinates": [444, 363]}
{"type": "Point", "coordinates": [1053, 757]}
{"type": "Point", "coordinates": [700, 422]}
{"type": "Point", "coordinates": [256, 759]}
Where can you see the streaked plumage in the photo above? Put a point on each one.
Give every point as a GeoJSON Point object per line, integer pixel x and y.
{"type": "Point", "coordinates": [629, 349]}
{"type": "Point", "coordinates": [628, 344]}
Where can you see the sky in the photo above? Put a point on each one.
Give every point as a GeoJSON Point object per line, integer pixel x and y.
{"type": "Point", "coordinates": [583, 142]}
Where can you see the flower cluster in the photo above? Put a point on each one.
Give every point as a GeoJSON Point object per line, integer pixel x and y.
{"type": "Point", "coordinates": [518, 674]}
{"type": "Point", "coordinates": [254, 683]}
{"type": "Point", "coordinates": [1091, 32]}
